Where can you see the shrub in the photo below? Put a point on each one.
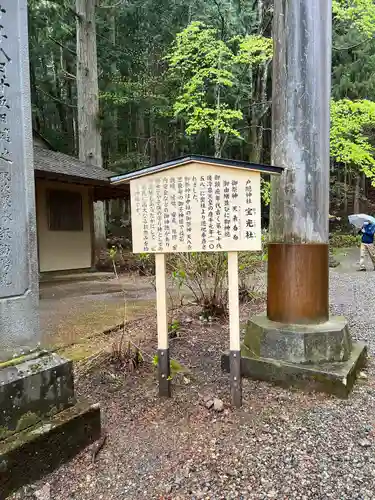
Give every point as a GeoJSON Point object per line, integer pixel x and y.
{"type": "Point", "coordinates": [340, 240]}
{"type": "Point", "coordinates": [206, 276]}
{"type": "Point", "coordinates": [145, 263]}
{"type": "Point", "coordinates": [126, 357]}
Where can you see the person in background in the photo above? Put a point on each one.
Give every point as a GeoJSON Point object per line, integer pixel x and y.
{"type": "Point", "coordinates": [367, 245]}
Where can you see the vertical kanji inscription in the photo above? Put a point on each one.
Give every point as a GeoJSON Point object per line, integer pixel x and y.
{"type": "Point", "coordinates": [193, 211]}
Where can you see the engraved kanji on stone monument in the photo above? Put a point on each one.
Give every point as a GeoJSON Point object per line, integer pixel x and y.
{"type": "Point", "coordinates": [18, 260]}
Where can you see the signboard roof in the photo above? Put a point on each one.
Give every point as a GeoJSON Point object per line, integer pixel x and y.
{"type": "Point", "coordinates": [222, 162]}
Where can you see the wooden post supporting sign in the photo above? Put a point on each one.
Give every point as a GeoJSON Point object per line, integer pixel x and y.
{"type": "Point", "coordinates": [234, 330]}
{"type": "Point", "coordinates": [162, 318]}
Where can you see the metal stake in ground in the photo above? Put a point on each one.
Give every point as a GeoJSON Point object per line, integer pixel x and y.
{"type": "Point", "coordinates": [162, 314]}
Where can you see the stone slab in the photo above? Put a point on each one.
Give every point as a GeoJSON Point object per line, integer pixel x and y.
{"type": "Point", "coordinates": [333, 378]}
{"type": "Point", "coordinates": [33, 387]}
{"type": "Point", "coordinates": [27, 456]}
{"type": "Point", "coordinates": [324, 342]}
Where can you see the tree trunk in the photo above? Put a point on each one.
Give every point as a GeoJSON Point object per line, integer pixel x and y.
{"type": "Point", "coordinates": [217, 138]}
{"type": "Point", "coordinates": [338, 189]}
{"type": "Point", "coordinates": [152, 140]}
{"type": "Point", "coordinates": [357, 194]}
{"type": "Point", "coordinates": [114, 134]}
{"type": "Point", "coordinates": [259, 92]}
{"type": "Point", "coordinates": [35, 98]}
{"type": "Point", "coordinates": [345, 190]}
{"type": "Point", "coordinates": [364, 204]}
{"type": "Point", "coordinates": [89, 136]}
{"type": "Point", "coordinates": [140, 131]}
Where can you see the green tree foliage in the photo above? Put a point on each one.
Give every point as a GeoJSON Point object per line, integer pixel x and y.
{"type": "Point", "coordinates": [137, 91]}
{"type": "Point", "coordinates": [349, 141]}
{"type": "Point", "coordinates": [52, 71]}
{"type": "Point", "coordinates": [206, 67]}
{"type": "Point", "coordinates": [352, 111]}
{"type": "Point", "coordinates": [184, 76]}
{"type": "Point", "coordinates": [357, 13]}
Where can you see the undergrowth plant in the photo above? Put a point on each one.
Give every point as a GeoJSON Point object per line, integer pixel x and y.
{"type": "Point", "coordinates": [205, 275]}
{"type": "Point", "coordinates": [126, 355]}
{"type": "Point", "coordinates": [339, 240]}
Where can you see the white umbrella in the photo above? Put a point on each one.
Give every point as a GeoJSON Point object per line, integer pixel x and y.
{"type": "Point", "coordinates": [359, 219]}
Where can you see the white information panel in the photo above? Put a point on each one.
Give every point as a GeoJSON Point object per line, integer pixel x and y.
{"type": "Point", "coordinates": [196, 208]}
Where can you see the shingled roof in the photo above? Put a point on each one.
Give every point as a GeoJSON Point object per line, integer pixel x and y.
{"type": "Point", "coordinates": [53, 164]}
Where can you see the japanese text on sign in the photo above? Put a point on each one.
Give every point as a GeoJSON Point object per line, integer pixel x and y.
{"type": "Point", "coordinates": [205, 210]}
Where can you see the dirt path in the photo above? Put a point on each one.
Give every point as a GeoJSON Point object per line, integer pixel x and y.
{"type": "Point", "coordinates": [71, 313]}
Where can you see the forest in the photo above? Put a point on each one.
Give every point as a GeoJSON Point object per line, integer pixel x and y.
{"type": "Point", "coordinates": [195, 76]}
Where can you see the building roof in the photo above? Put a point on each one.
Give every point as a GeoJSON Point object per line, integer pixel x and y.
{"type": "Point", "coordinates": [39, 139]}
{"type": "Point", "coordinates": [62, 165]}
{"type": "Point", "coordinates": [222, 162]}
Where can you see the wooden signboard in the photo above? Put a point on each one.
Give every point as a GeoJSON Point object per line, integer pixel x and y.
{"type": "Point", "coordinates": [196, 208]}
{"type": "Point", "coordinates": [197, 204]}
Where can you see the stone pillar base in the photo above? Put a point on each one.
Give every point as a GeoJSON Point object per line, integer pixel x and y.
{"type": "Point", "coordinates": [295, 343]}
{"type": "Point", "coordinates": [332, 378]}
{"type": "Point", "coordinates": [41, 423]}
{"type": "Point", "coordinates": [28, 455]}
{"type": "Point", "coordinates": [318, 357]}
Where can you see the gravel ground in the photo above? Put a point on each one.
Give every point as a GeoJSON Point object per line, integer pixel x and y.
{"type": "Point", "coordinates": [282, 444]}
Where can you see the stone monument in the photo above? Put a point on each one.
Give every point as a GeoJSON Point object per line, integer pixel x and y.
{"type": "Point", "coordinates": [37, 400]}
{"type": "Point", "coordinates": [297, 342]}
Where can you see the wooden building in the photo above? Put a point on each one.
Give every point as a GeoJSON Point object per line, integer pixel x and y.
{"type": "Point", "coordinates": [66, 189]}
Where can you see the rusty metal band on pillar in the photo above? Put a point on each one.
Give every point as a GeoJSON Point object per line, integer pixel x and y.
{"type": "Point", "coordinates": [235, 377]}
{"type": "Point", "coordinates": [164, 373]}
{"type": "Point", "coordinates": [298, 281]}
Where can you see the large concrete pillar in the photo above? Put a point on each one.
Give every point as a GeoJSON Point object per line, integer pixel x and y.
{"type": "Point", "coordinates": [298, 250]}
{"type": "Point", "coordinates": [297, 342]}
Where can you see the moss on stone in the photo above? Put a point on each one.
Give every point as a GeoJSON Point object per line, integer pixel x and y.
{"type": "Point", "coordinates": [27, 420]}
{"type": "Point", "coordinates": [13, 361]}
{"type": "Point", "coordinates": [4, 432]}
{"type": "Point", "coordinates": [24, 357]}
{"type": "Point", "coordinates": [52, 412]}
{"type": "Point", "coordinates": [34, 368]}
